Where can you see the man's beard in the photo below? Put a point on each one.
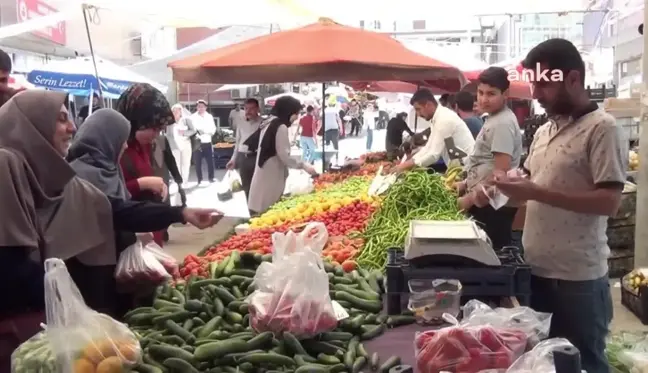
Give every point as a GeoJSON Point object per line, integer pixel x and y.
{"type": "Point", "coordinates": [562, 105]}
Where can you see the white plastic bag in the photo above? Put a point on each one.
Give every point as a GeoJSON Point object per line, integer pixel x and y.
{"type": "Point", "coordinates": [381, 183]}
{"type": "Point", "coordinates": [146, 264]}
{"type": "Point", "coordinates": [84, 340]}
{"type": "Point", "coordinates": [292, 292]}
{"type": "Point", "coordinates": [225, 188]}
{"type": "Point", "coordinates": [540, 359]}
{"type": "Point", "coordinates": [298, 183]}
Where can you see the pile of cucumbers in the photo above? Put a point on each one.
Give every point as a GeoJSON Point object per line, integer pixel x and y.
{"type": "Point", "coordinates": [203, 326]}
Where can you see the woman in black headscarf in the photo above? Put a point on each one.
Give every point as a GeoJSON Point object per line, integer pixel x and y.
{"type": "Point", "coordinates": [273, 156]}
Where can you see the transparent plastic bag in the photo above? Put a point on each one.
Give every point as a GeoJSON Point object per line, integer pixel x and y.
{"type": "Point", "coordinates": [628, 352]}
{"type": "Point", "coordinates": [485, 339]}
{"type": "Point", "coordinates": [292, 291]}
{"type": "Point", "coordinates": [298, 183]}
{"type": "Point", "coordinates": [430, 299]}
{"type": "Point", "coordinates": [541, 358]}
{"type": "Point", "coordinates": [34, 356]}
{"type": "Point", "coordinates": [146, 264]}
{"type": "Point", "coordinates": [84, 340]}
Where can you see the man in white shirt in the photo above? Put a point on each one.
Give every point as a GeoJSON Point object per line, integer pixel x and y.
{"type": "Point", "coordinates": [206, 128]}
{"type": "Point", "coordinates": [236, 117]}
{"type": "Point", "coordinates": [369, 118]}
{"type": "Point", "coordinates": [244, 159]}
{"type": "Point", "coordinates": [332, 123]}
{"type": "Point", "coordinates": [444, 123]}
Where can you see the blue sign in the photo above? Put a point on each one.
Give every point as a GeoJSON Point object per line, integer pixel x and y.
{"type": "Point", "coordinates": [79, 84]}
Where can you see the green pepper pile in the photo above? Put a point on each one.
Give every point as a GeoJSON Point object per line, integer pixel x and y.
{"type": "Point", "coordinates": [418, 195]}
{"type": "Point", "coordinates": [203, 326]}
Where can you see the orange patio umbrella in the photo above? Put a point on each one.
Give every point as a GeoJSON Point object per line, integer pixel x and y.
{"type": "Point", "coordinates": [320, 52]}
{"type": "Point", "coordinates": [389, 86]}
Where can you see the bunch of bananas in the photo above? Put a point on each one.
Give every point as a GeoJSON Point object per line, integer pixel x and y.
{"type": "Point", "coordinates": [452, 175]}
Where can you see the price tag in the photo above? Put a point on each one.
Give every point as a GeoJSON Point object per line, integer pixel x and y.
{"type": "Point", "coordinates": [340, 312]}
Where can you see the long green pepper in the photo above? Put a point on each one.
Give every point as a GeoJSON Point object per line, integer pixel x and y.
{"type": "Point", "coordinates": [417, 196]}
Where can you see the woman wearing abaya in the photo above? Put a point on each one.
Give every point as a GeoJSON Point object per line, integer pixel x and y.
{"type": "Point", "coordinates": [49, 212]}
{"type": "Point", "coordinates": [149, 113]}
{"type": "Point", "coordinates": [273, 156]}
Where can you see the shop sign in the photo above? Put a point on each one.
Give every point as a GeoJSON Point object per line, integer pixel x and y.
{"type": "Point", "coordinates": [30, 9]}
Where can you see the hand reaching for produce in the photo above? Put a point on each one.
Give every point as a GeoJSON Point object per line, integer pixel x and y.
{"type": "Point", "coordinates": [309, 169]}
{"type": "Point", "coordinates": [201, 218]}
{"type": "Point", "coordinates": [154, 184]}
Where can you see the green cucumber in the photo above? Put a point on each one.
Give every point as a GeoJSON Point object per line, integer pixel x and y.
{"type": "Point", "coordinates": [214, 350]}
{"type": "Point", "coordinates": [194, 305]}
{"type": "Point", "coordinates": [259, 341]}
{"type": "Point", "coordinates": [293, 344]}
{"type": "Point", "coordinates": [224, 295]}
{"type": "Point", "coordinates": [176, 329]}
{"type": "Point", "coordinates": [333, 336]}
{"type": "Point", "coordinates": [363, 304]}
{"type": "Point", "coordinates": [268, 358]}
{"type": "Point", "coordinates": [179, 365]}
{"type": "Point", "coordinates": [358, 364]}
{"type": "Point", "coordinates": [210, 326]}
{"type": "Point", "coordinates": [163, 352]}
{"type": "Point", "coordinates": [312, 368]}
{"type": "Point", "coordinates": [400, 320]}
{"type": "Point", "coordinates": [327, 359]}
{"type": "Point", "coordinates": [371, 332]}
{"type": "Point", "coordinates": [389, 363]}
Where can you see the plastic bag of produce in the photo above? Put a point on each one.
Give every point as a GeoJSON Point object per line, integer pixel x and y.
{"type": "Point", "coordinates": [84, 340]}
{"type": "Point", "coordinates": [292, 292]}
{"type": "Point", "coordinates": [628, 352]}
{"type": "Point", "coordinates": [34, 356]}
{"type": "Point", "coordinates": [299, 182]}
{"type": "Point", "coordinates": [485, 339]}
{"type": "Point", "coordinates": [144, 263]}
{"type": "Point", "coordinates": [541, 358]}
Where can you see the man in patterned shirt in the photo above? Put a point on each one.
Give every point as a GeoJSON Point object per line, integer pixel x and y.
{"type": "Point", "coordinates": [576, 173]}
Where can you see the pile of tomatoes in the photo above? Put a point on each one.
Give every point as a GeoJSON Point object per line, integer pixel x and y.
{"type": "Point", "coordinates": [339, 224]}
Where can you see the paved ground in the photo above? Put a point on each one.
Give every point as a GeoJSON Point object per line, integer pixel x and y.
{"type": "Point", "coordinates": [186, 240]}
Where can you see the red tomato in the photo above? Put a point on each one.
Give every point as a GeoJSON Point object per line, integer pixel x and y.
{"type": "Point", "coordinates": [349, 266]}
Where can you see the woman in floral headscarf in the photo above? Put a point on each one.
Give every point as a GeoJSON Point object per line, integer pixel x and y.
{"type": "Point", "coordinates": [149, 113]}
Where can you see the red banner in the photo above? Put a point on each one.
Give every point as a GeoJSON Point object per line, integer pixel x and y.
{"type": "Point", "coordinates": [30, 9]}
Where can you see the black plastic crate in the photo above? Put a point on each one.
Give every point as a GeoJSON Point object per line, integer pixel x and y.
{"type": "Point", "coordinates": [220, 153]}
{"type": "Point", "coordinates": [636, 303]}
{"type": "Point", "coordinates": [512, 278]}
{"type": "Point", "coordinates": [220, 163]}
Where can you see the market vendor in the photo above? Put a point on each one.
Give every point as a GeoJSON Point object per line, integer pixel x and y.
{"type": "Point", "coordinates": [444, 123]}
{"type": "Point", "coordinates": [394, 137]}
{"type": "Point", "coordinates": [576, 173]}
{"type": "Point", "coordinates": [498, 147]}
{"type": "Point", "coordinates": [243, 159]}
